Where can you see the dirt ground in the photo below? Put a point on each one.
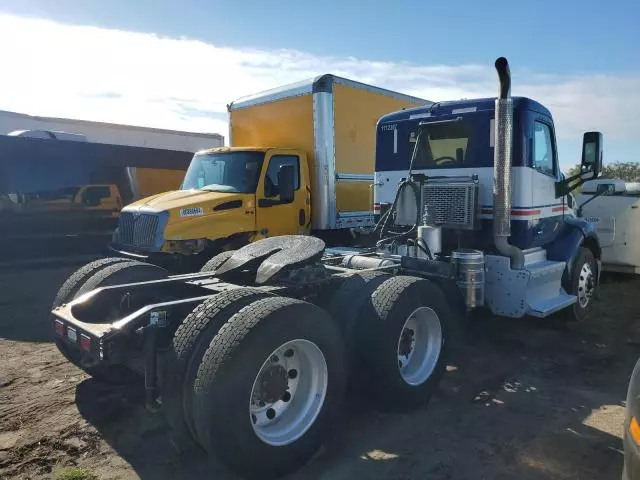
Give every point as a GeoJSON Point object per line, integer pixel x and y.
{"type": "Point", "coordinates": [530, 399]}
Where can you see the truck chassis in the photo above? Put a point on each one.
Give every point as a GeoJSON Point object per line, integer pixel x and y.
{"type": "Point", "coordinates": [319, 326]}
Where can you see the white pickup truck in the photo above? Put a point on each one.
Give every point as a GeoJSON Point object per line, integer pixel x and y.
{"type": "Point", "coordinates": [612, 206]}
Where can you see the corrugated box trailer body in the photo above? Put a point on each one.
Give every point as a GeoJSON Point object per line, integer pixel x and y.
{"type": "Point", "coordinates": [333, 120]}
{"type": "Point", "coordinates": [147, 180]}
{"type": "Point", "coordinates": [77, 164]}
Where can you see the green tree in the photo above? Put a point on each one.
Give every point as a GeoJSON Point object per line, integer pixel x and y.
{"type": "Point", "coordinates": [627, 171]}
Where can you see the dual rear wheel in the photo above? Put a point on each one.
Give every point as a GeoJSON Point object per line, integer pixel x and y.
{"type": "Point", "coordinates": [263, 378]}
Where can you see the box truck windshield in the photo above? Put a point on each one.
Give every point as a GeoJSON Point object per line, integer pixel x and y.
{"type": "Point", "coordinates": [234, 172]}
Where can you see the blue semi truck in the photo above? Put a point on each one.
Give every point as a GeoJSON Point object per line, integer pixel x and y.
{"type": "Point", "coordinates": [250, 357]}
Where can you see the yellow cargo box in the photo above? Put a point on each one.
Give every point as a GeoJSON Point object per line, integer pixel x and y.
{"type": "Point", "coordinates": [333, 120]}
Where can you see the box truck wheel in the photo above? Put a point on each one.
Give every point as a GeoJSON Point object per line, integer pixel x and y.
{"type": "Point", "coordinates": [84, 280]}
{"type": "Point", "coordinates": [402, 339]}
{"type": "Point", "coordinates": [185, 353]}
{"type": "Point", "coordinates": [270, 386]}
{"type": "Point", "coordinates": [213, 264]}
{"type": "Point", "coordinates": [582, 283]}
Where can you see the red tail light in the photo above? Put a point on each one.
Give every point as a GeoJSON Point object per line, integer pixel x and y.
{"type": "Point", "coordinates": [85, 342]}
{"type": "Point", "coordinates": [59, 327]}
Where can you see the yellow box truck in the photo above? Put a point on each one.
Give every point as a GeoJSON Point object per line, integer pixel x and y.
{"type": "Point", "coordinates": [302, 160]}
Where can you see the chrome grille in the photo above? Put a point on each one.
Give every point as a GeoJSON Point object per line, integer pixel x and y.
{"type": "Point", "coordinates": [137, 230]}
{"type": "Point", "coordinates": [450, 204]}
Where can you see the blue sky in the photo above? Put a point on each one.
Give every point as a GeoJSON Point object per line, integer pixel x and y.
{"type": "Point", "coordinates": [581, 59]}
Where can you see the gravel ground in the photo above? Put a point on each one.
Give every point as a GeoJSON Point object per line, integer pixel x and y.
{"type": "Point", "coordinates": [529, 399]}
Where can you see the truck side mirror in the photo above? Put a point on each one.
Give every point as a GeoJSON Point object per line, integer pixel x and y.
{"type": "Point", "coordinates": [285, 183]}
{"type": "Point", "coordinates": [591, 153]}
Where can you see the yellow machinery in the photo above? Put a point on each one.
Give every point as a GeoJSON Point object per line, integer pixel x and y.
{"type": "Point", "coordinates": [321, 133]}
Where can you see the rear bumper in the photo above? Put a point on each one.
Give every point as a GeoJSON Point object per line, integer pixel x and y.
{"type": "Point", "coordinates": [165, 260]}
{"type": "Point", "coordinates": [118, 251]}
{"type": "Point", "coordinates": [87, 340]}
{"type": "Point", "coordinates": [173, 262]}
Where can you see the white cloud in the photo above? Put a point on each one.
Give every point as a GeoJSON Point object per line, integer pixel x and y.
{"type": "Point", "coordinates": [144, 79]}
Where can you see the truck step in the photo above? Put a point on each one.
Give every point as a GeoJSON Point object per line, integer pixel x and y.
{"type": "Point", "coordinates": [546, 306]}
{"type": "Point", "coordinates": [534, 255]}
{"type": "Point", "coordinates": [535, 290]}
{"type": "Point", "coordinates": [545, 294]}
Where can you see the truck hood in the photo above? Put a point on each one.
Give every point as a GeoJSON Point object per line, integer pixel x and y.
{"type": "Point", "coordinates": [178, 200]}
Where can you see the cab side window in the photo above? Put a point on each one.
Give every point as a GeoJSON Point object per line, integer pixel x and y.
{"type": "Point", "coordinates": [543, 155]}
{"type": "Point", "coordinates": [271, 178]}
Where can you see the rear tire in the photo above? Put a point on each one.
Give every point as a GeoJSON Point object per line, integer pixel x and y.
{"type": "Point", "coordinates": [77, 279]}
{"type": "Point", "coordinates": [351, 297]}
{"type": "Point", "coordinates": [279, 435]}
{"type": "Point", "coordinates": [130, 271]}
{"type": "Point", "coordinates": [402, 340]}
{"type": "Point", "coordinates": [91, 276]}
{"type": "Point", "coordinates": [185, 354]}
{"type": "Point", "coordinates": [213, 264]}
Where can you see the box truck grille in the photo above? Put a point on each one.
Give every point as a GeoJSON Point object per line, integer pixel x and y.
{"type": "Point", "coordinates": [450, 204]}
{"type": "Point", "coordinates": [137, 230]}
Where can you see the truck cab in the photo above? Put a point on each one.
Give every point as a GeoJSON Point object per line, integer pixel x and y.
{"type": "Point", "coordinates": [229, 197]}
{"type": "Point", "coordinates": [479, 180]}
{"type": "Point", "coordinates": [458, 140]}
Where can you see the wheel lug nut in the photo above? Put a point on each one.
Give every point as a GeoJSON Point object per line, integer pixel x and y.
{"type": "Point", "coordinates": [289, 353]}
{"type": "Point", "coordinates": [271, 414]}
{"type": "Point", "coordinates": [286, 397]}
{"type": "Point", "coordinates": [293, 373]}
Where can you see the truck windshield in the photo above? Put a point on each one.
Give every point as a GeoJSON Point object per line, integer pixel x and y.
{"type": "Point", "coordinates": [236, 172]}
{"type": "Point", "coordinates": [442, 145]}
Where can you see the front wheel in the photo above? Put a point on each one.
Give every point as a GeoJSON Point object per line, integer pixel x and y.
{"type": "Point", "coordinates": [269, 387]}
{"type": "Point", "coordinates": [582, 283]}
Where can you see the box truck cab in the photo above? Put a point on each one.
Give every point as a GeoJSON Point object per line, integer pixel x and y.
{"type": "Point", "coordinates": [302, 160]}
{"type": "Point", "coordinates": [232, 195]}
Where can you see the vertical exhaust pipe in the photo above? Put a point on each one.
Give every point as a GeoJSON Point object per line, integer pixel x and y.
{"type": "Point", "coordinates": [502, 168]}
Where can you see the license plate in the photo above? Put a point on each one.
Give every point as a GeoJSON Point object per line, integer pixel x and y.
{"type": "Point", "coordinates": [72, 334]}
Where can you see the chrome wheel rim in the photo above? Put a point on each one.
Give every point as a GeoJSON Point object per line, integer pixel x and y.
{"type": "Point", "coordinates": [585, 285]}
{"type": "Point", "coordinates": [288, 392]}
{"type": "Point", "coordinates": [419, 346]}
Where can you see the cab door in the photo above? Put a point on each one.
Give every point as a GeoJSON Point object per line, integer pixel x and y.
{"type": "Point", "coordinates": [546, 172]}
{"type": "Point", "coordinates": [273, 216]}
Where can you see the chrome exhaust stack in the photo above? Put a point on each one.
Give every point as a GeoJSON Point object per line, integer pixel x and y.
{"type": "Point", "coordinates": [502, 168]}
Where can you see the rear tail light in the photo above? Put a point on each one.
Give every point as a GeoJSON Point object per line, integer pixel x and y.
{"type": "Point", "coordinates": [85, 342]}
{"type": "Point", "coordinates": [58, 327]}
